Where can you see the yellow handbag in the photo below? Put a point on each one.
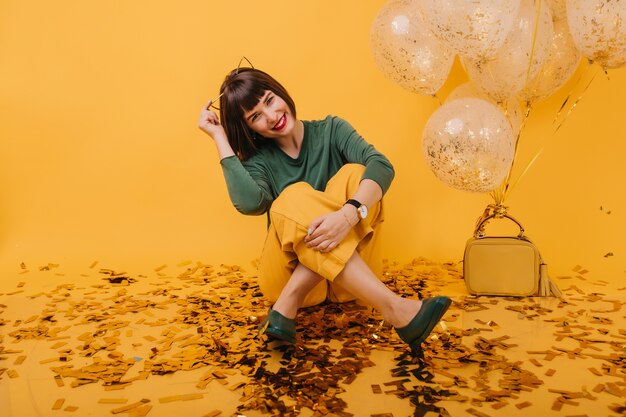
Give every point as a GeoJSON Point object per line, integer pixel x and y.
{"type": "Point", "coordinates": [504, 265]}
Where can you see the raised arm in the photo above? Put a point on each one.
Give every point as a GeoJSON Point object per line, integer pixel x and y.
{"type": "Point", "coordinates": [210, 124]}
{"type": "Point", "coordinates": [249, 195]}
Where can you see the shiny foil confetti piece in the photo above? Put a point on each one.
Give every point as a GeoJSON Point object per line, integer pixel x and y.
{"type": "Point", "coordinates": [58, 404]}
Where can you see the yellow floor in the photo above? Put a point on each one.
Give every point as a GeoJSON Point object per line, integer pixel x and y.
{"type": "Point", "coordinates": [181, 340]}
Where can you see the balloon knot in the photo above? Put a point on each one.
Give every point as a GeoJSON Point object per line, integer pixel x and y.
{"type": "Point", "coordinates": [498, 210]}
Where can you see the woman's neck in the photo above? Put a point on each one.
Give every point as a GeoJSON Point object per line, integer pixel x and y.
{"type": "Point", "coordinates": [292, 144]}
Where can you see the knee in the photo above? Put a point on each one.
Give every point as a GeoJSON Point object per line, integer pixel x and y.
{"type": "Point", "coordinates": [293, 193]}
{"type": "Point", "coordinates": [350, 170]}
{"type": "Point", "coordinates": [349, 174]}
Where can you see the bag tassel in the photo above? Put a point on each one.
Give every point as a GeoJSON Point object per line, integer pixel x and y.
{"type": "Point", "coordinates": [555, 289]}
{"type": "Point", "coordinates": [547, 286]}
{"type": "Point", "coordinates": [544, 285]}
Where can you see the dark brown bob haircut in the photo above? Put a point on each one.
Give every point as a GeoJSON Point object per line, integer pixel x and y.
{"type": "Point", "coordinates": [241, 91]}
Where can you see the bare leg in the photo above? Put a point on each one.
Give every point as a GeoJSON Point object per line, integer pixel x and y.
{"type": "Point", "coordinates": [292, 296]}
{"type": "Point", "coordinates": [360, 281]}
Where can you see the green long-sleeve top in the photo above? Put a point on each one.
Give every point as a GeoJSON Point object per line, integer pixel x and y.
{"type": "Point", "coordinates": [327, 145]}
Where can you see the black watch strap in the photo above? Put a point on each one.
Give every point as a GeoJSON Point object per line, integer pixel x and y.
{"type": "Point", "coordinates": [354, 202]}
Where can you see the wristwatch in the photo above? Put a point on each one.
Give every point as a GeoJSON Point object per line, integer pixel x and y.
{"type": "Point", "coordinates": [360, 208]}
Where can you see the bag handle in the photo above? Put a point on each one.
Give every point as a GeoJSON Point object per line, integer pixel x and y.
{"type": "Point", "coordinates": [492, 212]}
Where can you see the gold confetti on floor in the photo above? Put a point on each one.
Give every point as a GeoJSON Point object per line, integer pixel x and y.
{"type": "Point", "coordinates": [187, 342]}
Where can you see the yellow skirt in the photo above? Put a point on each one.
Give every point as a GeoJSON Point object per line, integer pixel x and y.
{"type": "Point", "coordinates": [292, 213]}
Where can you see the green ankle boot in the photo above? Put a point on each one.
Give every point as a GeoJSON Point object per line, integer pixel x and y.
{"type": "Point", "coordinates": [418, 329]}
{"type": "Point", "coordinates": [279, 327]}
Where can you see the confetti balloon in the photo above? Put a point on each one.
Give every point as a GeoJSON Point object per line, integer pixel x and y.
{"type": "Point", "coordinates": [406, 52]}
{"type": "Point", "coordinates": [474, 29]}
{"type": "Point", "coordinates": [511, 107]}
{"type": "Point", "coordinates": [599, 30]}
{"type": "Point", "coordinates": [616, 61]}
{"type": "Point", "coordinates": [563, 59]}
{"type": "Point", "coordinates": [519, 59]}
{"type": "Point", "coordinates": [557, 9]}
{"type": "Point", "coordinates": [468, 144]}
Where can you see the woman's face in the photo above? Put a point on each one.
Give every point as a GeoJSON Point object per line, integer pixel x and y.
{"type": "Point", "coordinates": [271, 117]}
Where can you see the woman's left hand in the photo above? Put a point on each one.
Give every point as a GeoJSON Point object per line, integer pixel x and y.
{"type": "Point", "coordinates": [327, 231]}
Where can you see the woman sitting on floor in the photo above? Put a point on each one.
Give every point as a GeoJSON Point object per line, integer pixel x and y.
{"type": "Point", "coordinates": [322, 185]}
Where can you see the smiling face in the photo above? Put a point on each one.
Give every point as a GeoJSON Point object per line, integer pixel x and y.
{"type": "Point", "coordinates": [271, 117]}
{"type": "Point", "coordinates": [254, 102]}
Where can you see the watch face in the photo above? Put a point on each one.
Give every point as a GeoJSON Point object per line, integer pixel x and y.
{"type": "Point", "coordinates": [363, 211]}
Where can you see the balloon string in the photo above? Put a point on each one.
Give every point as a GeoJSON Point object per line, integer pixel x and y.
{"type": "Point", "coordinates": [532, 49]}
{"type": "Point", "coordinates": [500, 192]}
{"type": "Point", "coordinates": [570, 94]}
{"type": "Point", "coordinates": [576, 102]}
{"type": "Point", "coordinates": [504, 190]}
{"type": "Point", "coordinates": [532, 161]}
{"type": "Point", "coordinates": [536, 156]}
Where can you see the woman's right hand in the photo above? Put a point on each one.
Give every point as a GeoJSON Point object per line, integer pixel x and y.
{"type": "Point", "coordinates": [210, 123]}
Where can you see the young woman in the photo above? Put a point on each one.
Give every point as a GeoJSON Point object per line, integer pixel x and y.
{"type": "Point", "coordinates": [321, 185]}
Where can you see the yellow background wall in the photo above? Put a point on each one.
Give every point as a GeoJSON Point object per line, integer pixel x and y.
{"type": "Point", "coordinates": [100, 157]}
